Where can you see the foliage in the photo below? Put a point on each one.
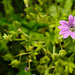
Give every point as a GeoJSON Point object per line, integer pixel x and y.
{"type": "Point", "coordinates": [29, 38]}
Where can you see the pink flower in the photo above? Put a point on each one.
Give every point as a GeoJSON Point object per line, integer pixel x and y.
{"type": "Point", "coordinates": [26, 69]}
{"type": "Point", "coordinates": [67, 28]}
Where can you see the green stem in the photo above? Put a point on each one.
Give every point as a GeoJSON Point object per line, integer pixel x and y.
{"type": "Point", "coordinates": [56, 7]}
{"type": "Point", "coordinates": [16, 39]}
{"type": "Point", "coordinates": [45, 51]}
{"type": "Point", "coordinates": [54, 49]}
{"type": "Point", "coordinates": [29, 64]}
{"type": "Point", "coordinates": [20, 58]}
{"type": "Point", "coordinates": [22, 54]}
{"type": "Point", "coordinates": [24, 34]}
{"type": "Point", "coordinates": [60, 45]}
{"type": "Point", "coordinates": [66, 70]}
{"type": "Point", "coordinates": [71, 56]}
{"type": "Point", "coordinates": [20, 40]}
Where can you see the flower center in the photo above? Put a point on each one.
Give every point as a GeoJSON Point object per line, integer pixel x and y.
{"type": "Point", "coordinates": [71, 26]}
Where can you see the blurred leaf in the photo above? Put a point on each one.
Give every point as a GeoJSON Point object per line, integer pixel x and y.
{"type": "Point", "coordinates": [8, 57]}
{"type": "Point", "coordinates": [8, 8]}
{"type": "Point", "coordinates": [26, 2]}
{"type": "Point", "coordinates": [15, 63]}
{"type": "Point", "coordinates": [46, 72]}
{"type": "Point", "coordinates": [22, 72]}
{"type": "Point", "coordinates": [60, 0]}
{"type": "Point", "coordinates": [68, 5]}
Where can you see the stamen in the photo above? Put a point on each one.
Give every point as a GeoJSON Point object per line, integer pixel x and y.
{"type": "Point", "coordinates": [71, 26]}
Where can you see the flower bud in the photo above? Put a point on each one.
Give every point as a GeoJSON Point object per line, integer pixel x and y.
{"type": "Point", "coordinates": [55, 56]}
{"type": "Point", "coordinates": [15, 63]}
{"type": "Point", "coordinates": [26, 69]}
{"type": "Point", "coordinates": [44, 60]}
{"type": "Point", "coordinates": [62, 53]}
{"type": "Point", "coordinates": [40, 68]}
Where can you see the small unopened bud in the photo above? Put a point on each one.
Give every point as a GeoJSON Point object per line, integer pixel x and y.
{"type": "Point", "coordinates": [5, 30]}
{"type": "Point", "coordinates": [19, 29]}
{"type": "Point", "coordinates": [55, 56]}
{"type": "Point", "coordinates": [44, 60]}
{"type": "Point", "coordinates": [30, 60]}
{"type": "Point", "coordinates": [62, 53]}
{"type": "Point", "coordinates": [40, 68]}
{"type": "Point", "coordinates": [26, 5]}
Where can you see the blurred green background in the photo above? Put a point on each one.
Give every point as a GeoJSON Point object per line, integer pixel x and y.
{"type": "Point", "coordinates": [29, 38]}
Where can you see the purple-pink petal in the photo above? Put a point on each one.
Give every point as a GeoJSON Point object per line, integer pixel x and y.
{"type": "Point", "coordinates": [63, 31]}
{"type": "Point", "coordinates": [26, 68]}
{"type": "Point", "coordinates": [63, 27]}
{"type": "Point", "coordinates": [62, 22]}
{"type": "Point", "coordinates": [74, 21]}
{"type": "Point", "coordinates": [71, 20]}
{"type": "Point", "coordinates": [66, 27]}
{"type": "Point", "coordinates": [73, 34]}
{"type": "Point", "coordinates": [74, 18]}
{"type": "Point", "coordinates": [67, 34]}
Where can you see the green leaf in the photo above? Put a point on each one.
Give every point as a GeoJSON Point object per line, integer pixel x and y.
{"type": "Point", "coordinates": [26, 3]}
{"type": "Point", "coordinates": [22, 72]}
{"type": "Point", "coordinates": [8, 57]}
{"type": "Point", "coordinates": [46, 72]}
{"type": "Point", "coordinates": [68, 5]}
{"type": "Point", "coordinates": [15, 63]}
